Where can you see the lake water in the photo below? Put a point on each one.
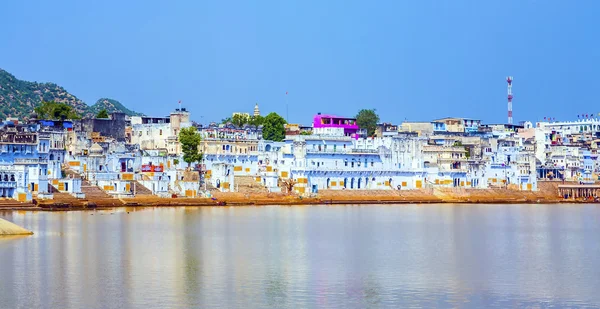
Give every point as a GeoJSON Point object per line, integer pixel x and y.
{"type": "Point", "coordinates": [449, 256]}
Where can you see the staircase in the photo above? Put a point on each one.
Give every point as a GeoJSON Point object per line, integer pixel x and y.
{"type": "Point", "coordinates": [248, 184]}
{"type": "Point", "coordinates": [62, 197]}
{"type": "Point", "coordinates": [92, 192]}
{"type": "Point", "coordinates": [140, 189]}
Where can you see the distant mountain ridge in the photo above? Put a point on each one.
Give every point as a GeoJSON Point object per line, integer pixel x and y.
{"type": "Point", "coordinates": [18, 98]}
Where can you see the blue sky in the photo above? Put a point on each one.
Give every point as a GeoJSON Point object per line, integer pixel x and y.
{"type": "Point", "coordinates": [415, 60]}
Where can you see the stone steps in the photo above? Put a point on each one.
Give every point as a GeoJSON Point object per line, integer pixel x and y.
{"type": "Point", "coordinates": [248, 184]}
{"type": "Point", "coordinates": [140, 189]}
{"type": "Point", "coordinates": [93, 192]}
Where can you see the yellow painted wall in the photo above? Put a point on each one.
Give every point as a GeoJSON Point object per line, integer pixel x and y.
{"type": "Point", "coordinates": [225, 185]}
{"type": "Point", "coordinates": [237, 168]}
{"type": "Point", "coordinates": [127, 176]}
{"type": "Point", "coordinates": [404, 184]}
{"type": "Point", "coordinates": [257, 179]}
{"type": "Point", "coordinates": [468, 183]}
{"type": "Point", "coordinates": [74, 163]}
{"type": "Point", "coordinates": [85, 167]}
{"type": "Point", "coordinates": [269, 168]}
{"type": "Point", "coordinates": [22, 197]}
{"type": "Point", "coordinates": [462, 183]}
{"type": "Point", "coordinates": [529, 186]}
{"type": "Point", "coordinates": [127, 187]}
{"type": "Point", "coordinates": [61, 186]}
{"type": "Point", "coordinates": [49, 172]}
{"type": "Point", "coordinates": [54, 182]}
{"type": "Point", "coordinates": [437, 181]}
{"type": "Point", "coordinates": [333, 184]}
{"type": "Point", "coordinates": [284, 174]}
{"type": "Point", "coordinates": [35, 187]}
{"type": "Point", "coordinates": [109, 188]}
{"type": "Point", "coordinates": [419, 184]}
{"type": "Point", "coordinates": [247, 170]}
{"type": "Point", "coordinates": [300, 189]}
{"type": "Point", "coordinates": [386, 183]}
{"type": "Point", "coordinates": [341, 183]}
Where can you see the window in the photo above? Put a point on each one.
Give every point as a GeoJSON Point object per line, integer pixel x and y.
{"type": "Point", "coordinates": [160, 132]}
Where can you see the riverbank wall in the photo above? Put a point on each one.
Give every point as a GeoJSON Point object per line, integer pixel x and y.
{"type": "Point", "coordinates": [547, 194]}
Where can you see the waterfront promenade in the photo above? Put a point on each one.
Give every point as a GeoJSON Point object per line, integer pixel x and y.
{"type": "Point", "coordinates": [547, 193]}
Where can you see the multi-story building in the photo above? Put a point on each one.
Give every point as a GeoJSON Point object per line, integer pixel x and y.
{"type": "Point", "coordinates": [23, 161]}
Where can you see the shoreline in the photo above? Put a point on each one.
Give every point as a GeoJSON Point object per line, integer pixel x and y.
{"type": "Point", "coordinates": [546, 194]}
{"type": "Point", "coordinates": [202, 202]}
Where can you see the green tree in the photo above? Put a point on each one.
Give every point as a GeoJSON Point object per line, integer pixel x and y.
{"type": "Point", "coordinates": [240, 119]}
{"type": "Point", "coordinates": [226, 120]}
{"type": "Point", "coordinates": [53, 110]}
{"type": "Point", "coordinates": [367, 119]}
{"type": "Point", "coordinates": [190, 141]}
{"type": "Point", "coordinates": [102, 114]}
{"type": "Point", "coordinates": [274, 128]}
{"type": "Point", "coordinates": [257, 120]}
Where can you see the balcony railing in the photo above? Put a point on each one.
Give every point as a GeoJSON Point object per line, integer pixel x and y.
{"type": "Point", "coordinates": [30, 161]}
{"type": "Point", "coordinates": [8, 184]}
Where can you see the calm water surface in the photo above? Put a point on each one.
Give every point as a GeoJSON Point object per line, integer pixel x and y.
{"type": "Point", "coordinates": [305, 257]}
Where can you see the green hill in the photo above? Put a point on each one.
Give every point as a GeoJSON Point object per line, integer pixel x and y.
{"type": "Point", "coordinates": [111, 106]}
{"type": "Point", "coordinates": [18, 98]}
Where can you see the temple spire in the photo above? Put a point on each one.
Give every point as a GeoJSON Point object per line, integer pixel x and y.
{"type": "Point", "coordinates": [256, 110]}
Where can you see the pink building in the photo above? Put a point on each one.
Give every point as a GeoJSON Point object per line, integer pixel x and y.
{"type": "Point", "coordinates": [349, 125]}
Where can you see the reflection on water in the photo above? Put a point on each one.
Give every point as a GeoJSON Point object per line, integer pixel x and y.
{"type": "Point", "coordinates": [319, 256]}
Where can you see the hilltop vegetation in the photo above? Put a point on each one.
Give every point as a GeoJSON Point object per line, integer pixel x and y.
{"type": "Point", "coordinates": [19, 98]}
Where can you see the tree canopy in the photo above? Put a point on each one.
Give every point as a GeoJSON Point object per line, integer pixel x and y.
{"type": "Point", "coordinates": [190, 141]}
{"type": "Point", "coordinates": [274, 128]}
{"type": "Point", "coordinates": [56, 111]}
{"type": "Point", "coordinates": [239, 120]}
{"type": "Point", "coordinates": [102, 114]}
{"type": "Point", "coordinates": [367, 119]}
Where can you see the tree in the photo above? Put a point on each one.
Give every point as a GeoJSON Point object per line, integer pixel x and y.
{"type": "Point", "coordinates": [102, 114]}
{"type": "Point", "coordinates": [288, 184]}
{"type": "Point", "coordinates": [257, 120]}
{"type": "Point", "coordinates": [367, 119]}
{"type": "Point", "coordinates": [226, 120]}
{"type": "Point", "coordinates": [190, 141]}
{"type": "Point", "coordinates": [239, 120]}
{"type": "Point", "coordinates": [57, 111]}
{"type": "Point", "coordinates": [274, 128]}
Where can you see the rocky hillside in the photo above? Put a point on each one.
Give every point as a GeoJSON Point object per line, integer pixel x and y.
{"type": "Point", "coordinates": [111, 106]}
{"type": "Point", "coordinates": [18, 98]}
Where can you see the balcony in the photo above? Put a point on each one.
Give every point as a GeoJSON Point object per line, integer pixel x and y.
{"type": "Point", "coordinates": [329, 151]}
{"type": "Point", "coordinates": [30, 161]}
{"type": "Point", "coordinates": [8, 184]}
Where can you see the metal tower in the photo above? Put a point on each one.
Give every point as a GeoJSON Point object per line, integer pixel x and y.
{"type": "Point", "coordinates": [510, 97]}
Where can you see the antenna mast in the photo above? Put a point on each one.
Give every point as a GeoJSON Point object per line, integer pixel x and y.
{"type": "Point", "coordinates": [510, 97]}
